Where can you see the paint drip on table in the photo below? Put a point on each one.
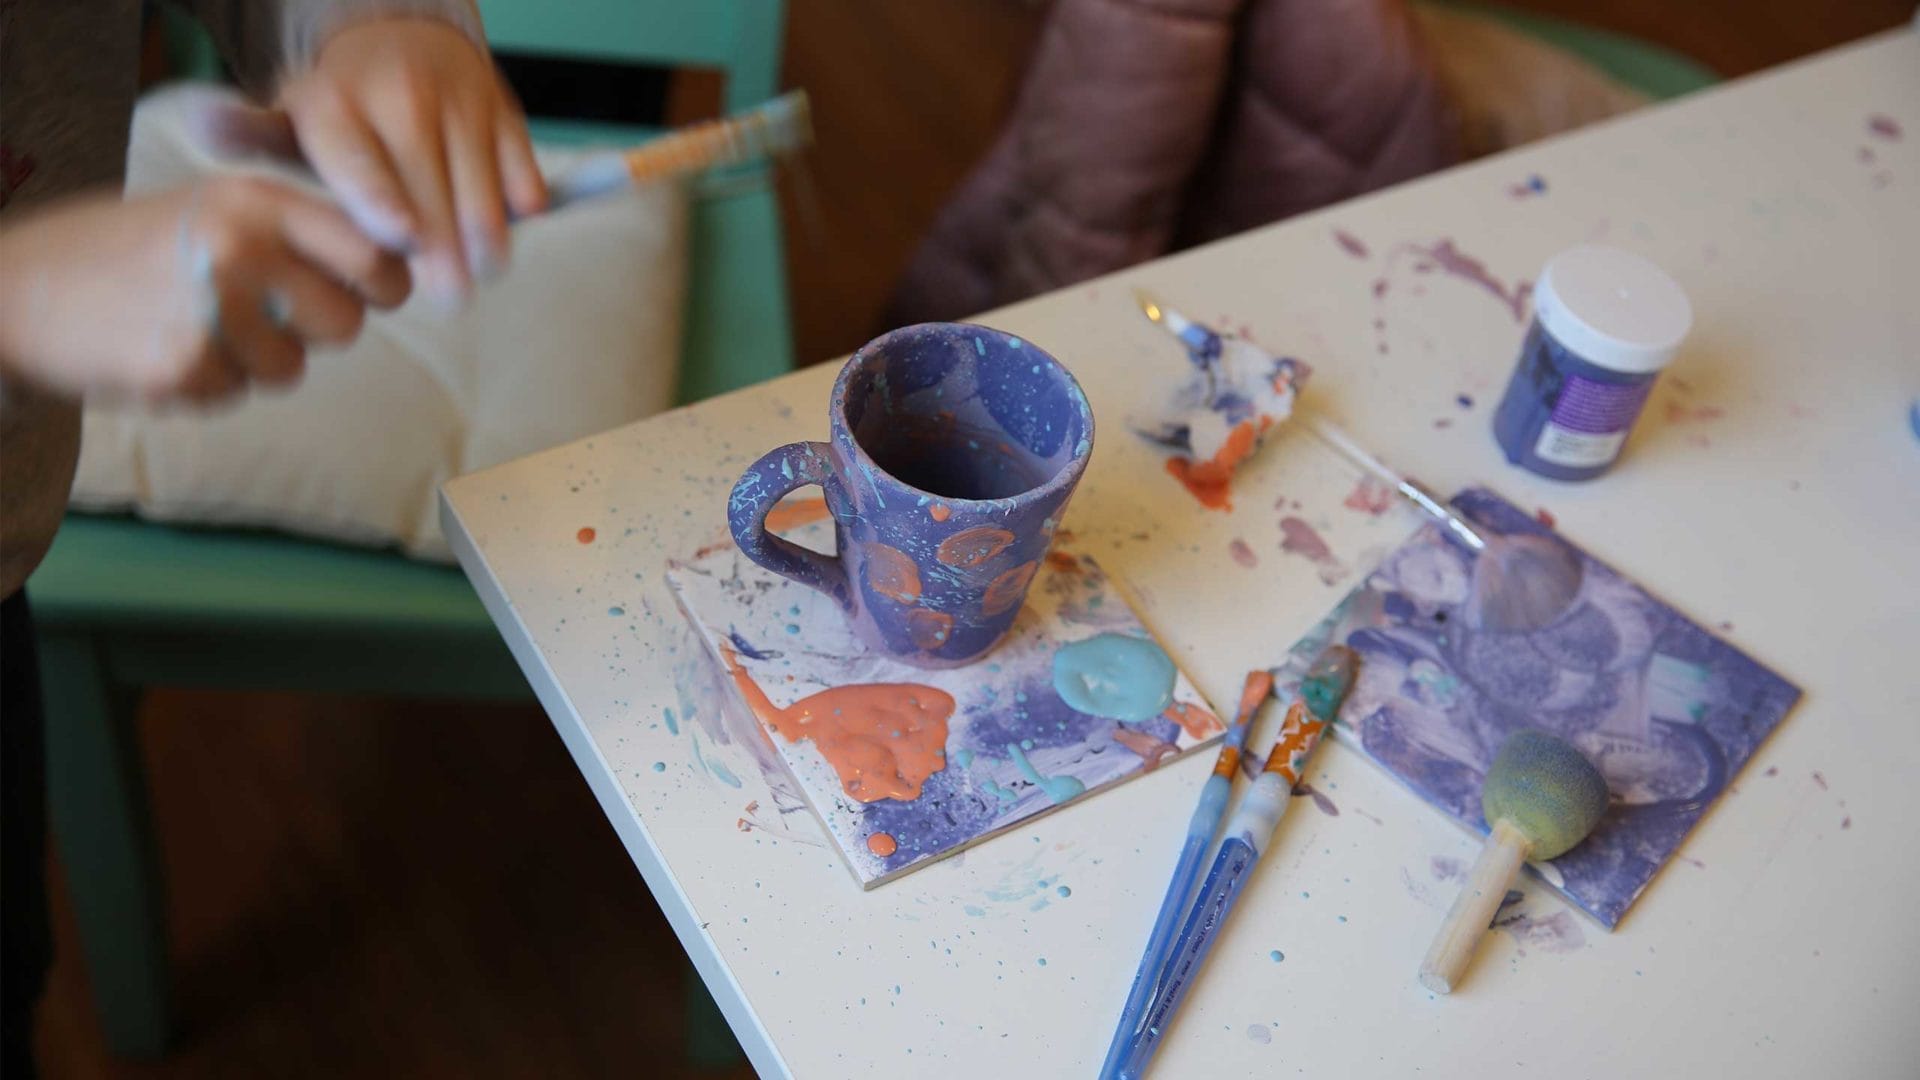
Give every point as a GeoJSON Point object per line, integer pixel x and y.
{"type": "Point", "coordinates": [1237, 393]}
{"type": "Point", "coordinates": [1667, 711]}
{"type": "Point", "coordinates": [907, 765]}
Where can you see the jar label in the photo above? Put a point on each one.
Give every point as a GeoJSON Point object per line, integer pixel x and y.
{"type": "Point", "coordinates": [1590, 420]}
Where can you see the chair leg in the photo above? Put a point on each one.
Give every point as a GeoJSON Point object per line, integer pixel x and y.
{"type": "Point", "coordinates": [97, 796]}
{"type": "Point", "coordinates": [710, 1043]}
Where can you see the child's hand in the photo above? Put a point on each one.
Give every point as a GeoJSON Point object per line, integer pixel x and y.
{"type": "Point", "coordinates": [413, 129]}
{"type": "Point", "coordinates": [190, 294]}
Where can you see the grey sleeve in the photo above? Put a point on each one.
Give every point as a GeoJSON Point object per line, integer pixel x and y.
{"type": "Point", "coordinates": [263, 41]}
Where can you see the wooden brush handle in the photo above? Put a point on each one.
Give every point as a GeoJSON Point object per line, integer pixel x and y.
{"type": "Point", "coordinates": [1487, 884]}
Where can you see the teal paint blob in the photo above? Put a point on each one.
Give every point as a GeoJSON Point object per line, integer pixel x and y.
{"type": "Point", "coordinates": [673, 724]}
{"type": "Point", "coordinates": [659, 766]}
{"type": "Point", "coordinates": [1064, 892]}
{"type": "Point", "coordinates": [616, 612]}
{"type": "Point", "coordinates": [1006, 795]}
{"type": "Point", "coordinates": [1276, 956]}
{"type": "Point", "coordinates": [1115, 676]}
{"type": "Point", "coordinates": [963, 757]}
{"type": "Point", "coordinates": [974, 910]}
{"type": "Point", "coordinates": [1326, 683]}
{"type": "Point", "coordinates": [1058, 788]}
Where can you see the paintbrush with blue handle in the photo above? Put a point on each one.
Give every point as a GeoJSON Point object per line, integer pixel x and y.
{"type": "Point", "coordinates": [1186, 870]}
{"type": "Point", "coordinates": [1248, 833]}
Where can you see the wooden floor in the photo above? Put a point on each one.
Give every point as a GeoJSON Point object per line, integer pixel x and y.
{"type": "Point", "coordinates": [380, 888]}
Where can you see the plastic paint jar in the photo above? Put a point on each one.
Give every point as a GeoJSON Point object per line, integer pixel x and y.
{"type": "Point", "coordinates": [1605, 322]}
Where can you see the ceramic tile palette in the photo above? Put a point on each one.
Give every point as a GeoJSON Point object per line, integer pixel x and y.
{"type": "Point", "coordinates": [1668, 711]}
{"type": "Point", "coordinates": [979, 749]}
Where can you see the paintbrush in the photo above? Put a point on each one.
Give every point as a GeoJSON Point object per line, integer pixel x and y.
{"type": "Point", "coordinates": [769, 130]}
{"type": "Point", "coordinates": [1326, 685]}
{"type": "Point", "coordinates": [1520, 581]}
{"type": "Point", "coordinates": [1186, 870]}
{"type": "Point", "coordinates": [1541, 798]}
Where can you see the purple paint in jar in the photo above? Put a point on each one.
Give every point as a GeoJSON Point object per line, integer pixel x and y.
{"type": "Point", "coordinates": [1605, 323]}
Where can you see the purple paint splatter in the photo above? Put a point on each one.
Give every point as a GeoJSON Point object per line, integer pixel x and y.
{"type": "Point", "coordinates": [1350, 243]}
{"type": "Point", "coordinates": [1556, 933]}
{"type": "Point", "coordinates": [1242, 554]}
{"type": "Point", "coordinates": [1884, 126]}
{"type": "Point", "coordinates": [1299, 538]}
{"type": "Point", "coordinates": [1320, 801]}
{"type": "Point", "coordinates": [1259, 1033]}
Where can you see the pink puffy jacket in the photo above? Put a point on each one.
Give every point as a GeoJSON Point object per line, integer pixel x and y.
{"type": "Point", "coordinates": [1146, 125]}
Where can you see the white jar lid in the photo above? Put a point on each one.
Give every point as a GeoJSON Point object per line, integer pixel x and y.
{"type": "Point", "coordinates": [1613, 308]}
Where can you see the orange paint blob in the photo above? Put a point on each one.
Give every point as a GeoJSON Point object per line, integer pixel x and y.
{"type": "Point", "coordinates": [585, 535]}
{"type": "Point", "coordinates": [792, 515]}
{"type": "Point", "coordinates": [1211, 481]}
{"type": "Point", "coordinates": [1149, 749]}
{"type": "Point", "coordinates": [882, 844]}
{"type": "Point", "coordinates": [1197, 721]}
{"type": "Point", "coordinates": [929, 629]}
{"type": "Point", "coordinates": [1063, 562]}
{"type": "Point", "coordinates": [882, 739]}
{"type": "Point", "coordinates": [969, 548]}
{"type": "Point", "coordinates": [891, 574]}
{"type": "Point", "coordinates": [939, 512]}
{"type": "Point", "coordinates": [1008, 589]}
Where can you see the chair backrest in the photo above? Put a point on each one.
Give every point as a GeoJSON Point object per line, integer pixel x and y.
{"type": "Point", "coordinates": [741, 38]}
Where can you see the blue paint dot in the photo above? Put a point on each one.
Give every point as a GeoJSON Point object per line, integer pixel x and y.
{"type": "Point", "coordinates": [793, 628]}
{"type": "Point", "coordinates": [659, 766]}
{"type": "Point", "coordinates": [1276, 956]}
{"type": "Point", "coordinates": [1064, 891]}
{"type": "Point", "coordinates": [1043, 961]}
{"type": "Point", "coordinates": [1465, 400]}
{"type": "Point", "coordinates": [1342, 918]}
{"type": "Point", "coordinates": [616, 611]}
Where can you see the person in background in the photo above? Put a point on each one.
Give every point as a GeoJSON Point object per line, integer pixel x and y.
{"type": "Point", "coordinates": [194, 294]}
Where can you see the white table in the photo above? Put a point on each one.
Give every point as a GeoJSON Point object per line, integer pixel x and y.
{"type": "Point", "coordinates": [1783, 943]}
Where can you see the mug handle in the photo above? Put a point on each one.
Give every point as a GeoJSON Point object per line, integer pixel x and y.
{"type": "Point", "coordinates": [758, 490]}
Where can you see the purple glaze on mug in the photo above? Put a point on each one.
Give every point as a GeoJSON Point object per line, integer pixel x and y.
{"type": "Point", "coordinates": [952, 452]}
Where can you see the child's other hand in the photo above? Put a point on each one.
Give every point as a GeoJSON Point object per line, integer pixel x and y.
{"type": "Point", "coordinates": [188, 294]}
{"type": "Point", "coordinates": [412, 128]}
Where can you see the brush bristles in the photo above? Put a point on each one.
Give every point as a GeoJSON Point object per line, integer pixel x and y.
{"type": "Point", "coordinates": [781, 125]}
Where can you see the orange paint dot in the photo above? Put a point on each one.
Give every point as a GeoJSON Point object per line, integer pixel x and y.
{"type": "Point", "coordinates": [1008, 589]}
{"type": "Point", "coordinates": [969, 548]}
{"type": "Point", "coordinates": [1197, 721]}
{"type": "Point", "coordinates": [882, 844]}
{"type": "Point", "coordinates": [585, 535]}
{"type": "Point", "coordinates": [1063, 562]}
{"type": "Point", "coordinates": [939, 512]}
{"type": "Point", "coordinates": [929, 629]}
{"type": "Point", "coordinates": [892, 575]}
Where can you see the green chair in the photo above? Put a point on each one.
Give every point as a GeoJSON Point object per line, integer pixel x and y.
{"type": "Point", "coordinates": [122, 604]}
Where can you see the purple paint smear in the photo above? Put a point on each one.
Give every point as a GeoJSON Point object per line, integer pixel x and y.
{"type": "Point", "coordinates": [1242, 554]}
{"type": "Point", "coordinates": [1350, 243]}
{"type": "Point", "coordinates": [1886, 127]}
{"type": "Point", "coordinates": [1453, 262]}
{"type": "Point", "coordinates": [1304, 790]}
{"type": "Point", "coordinates": [1556, 933]}
{"type": "Point", "coordinates": [1299, 538]}
{"type": "Point", "coordinates": [1666, 709]}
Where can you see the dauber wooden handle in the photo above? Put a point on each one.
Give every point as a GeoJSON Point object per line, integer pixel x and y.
{"type": "Point", "coordinates": [1487, 884]}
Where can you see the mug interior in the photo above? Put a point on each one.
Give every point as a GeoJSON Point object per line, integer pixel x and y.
{"type": "Point", "coordinates": [963, 412]}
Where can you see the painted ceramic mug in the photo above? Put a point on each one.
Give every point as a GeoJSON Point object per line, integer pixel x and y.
{"type": "Point", "coordinates": [952, 452]}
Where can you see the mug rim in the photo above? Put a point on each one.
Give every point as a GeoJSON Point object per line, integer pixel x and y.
{"type": "Point", "coordinates": [1062, 479]}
